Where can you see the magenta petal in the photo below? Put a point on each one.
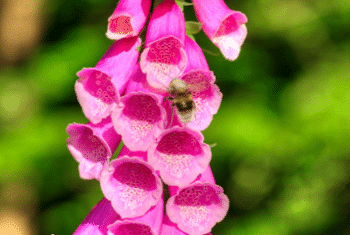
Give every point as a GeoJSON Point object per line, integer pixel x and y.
{"type": "Point", "coordinates": [98, 88]}
{"type": "Point", "coordinates": [130, 228]}
{"type": "Point", "coordinates": [148, 224]}
{"type": "Point", "coordinates": [137, 81]}
{"type": "Point", "coordinates": [92, 146]}
{"type": "Point", "coordinates": [131, 185]}
{"type": "Point", "coordinates": [170, 228]}
{"type": "Point", "coordinates": [138, 119]}
{"type": "Point", "coordinates": [179, 155]}
{"type": "Point", "coordinates": [127, 152]}
{"type": "Point", "coordinates": [128, 18]}
{"type": "Point", "coordinates": [98, 219]}
{"type": "Point", "coordinates": [196, 58]}
{"type": "Point", "coordinates": [198, 207]}
{"type": "Point", "coordinates": [207, 176]}
{"type": "Point", "coordinates": [225, 27]}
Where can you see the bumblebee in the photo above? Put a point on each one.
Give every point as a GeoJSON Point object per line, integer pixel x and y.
{"type": "Point", "coordinates": [182, 99]}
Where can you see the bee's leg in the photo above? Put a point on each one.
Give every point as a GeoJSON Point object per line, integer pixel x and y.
{"type": "Point", "coordinates": [172, 115]}
{"type": "Point", "coordinates": [172, 108]}
{"type": "Point", "coordinates": [195, 117]}
{"type": "Point", "coordinates": [167, 98]}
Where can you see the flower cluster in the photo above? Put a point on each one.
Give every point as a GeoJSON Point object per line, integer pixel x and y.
{"type": "Point", "coordinates": [155, 102]}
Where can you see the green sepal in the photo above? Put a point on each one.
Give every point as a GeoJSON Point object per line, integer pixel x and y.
{"type": "Point", "coordinates": [193, 27]}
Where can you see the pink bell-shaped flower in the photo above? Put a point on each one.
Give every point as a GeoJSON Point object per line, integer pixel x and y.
{"type": "Point", "coordinates": [164, 56]}
{"type": "Point", "coordinates": [197, 207]}
{"type": "Point", "coordinates": [138, 118]}
{"type": "Point", "coordinates": [131, 185]}
{"type": "Point", "coordinates": [98, 89]}
{"type": "Point", "coordinates": [92, 145]}
{"type": "Point", "coordinates": [225, 27]}
{"type": "Point", "coordinates": [179, 155]}
{"type": "Point", "coordinates": [128, 18]}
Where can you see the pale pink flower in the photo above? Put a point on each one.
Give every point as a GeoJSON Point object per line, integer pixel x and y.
{"type": "Point", "coordinates": [164, 56]}
{"type": "Point", "coordinates": [225, 27]}
{"type": "Point", "coordinates": [179, 155]}
{"type": "Point", "coordinates": [197, 207]}
{"type": "Point", "coordinates": [98, 89]}
{"type": "Point", "coordinates": [131, 185]}
{"type": "Point", "coordinates": [128, 18]}
{"type": "Point", "coordinates": [138, 118]}
{"type": "Point", "coordinates": [92, 145]}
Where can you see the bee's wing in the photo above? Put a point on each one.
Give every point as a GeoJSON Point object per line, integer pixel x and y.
{"type": "Point", "coordinates": [197, 87]}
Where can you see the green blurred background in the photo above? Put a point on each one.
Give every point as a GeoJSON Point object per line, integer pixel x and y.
{"type": "Point", "coordinates": [282, 132]}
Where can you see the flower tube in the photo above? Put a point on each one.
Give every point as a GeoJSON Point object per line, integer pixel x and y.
{"type": "Point", "coordinates": [103, 220]}
{"type": "Point", "coordinates": [98, 219]}
{"type": "Point", "coordinates": [196, 208]}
